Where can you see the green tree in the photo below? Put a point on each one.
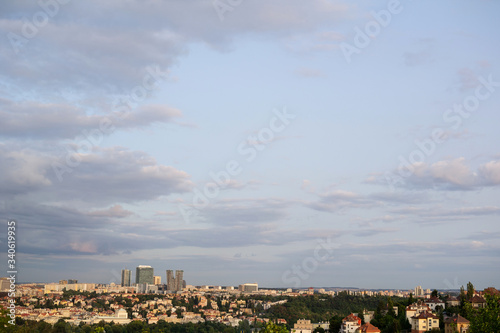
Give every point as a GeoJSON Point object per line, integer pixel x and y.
{"type": "Point", "coordinates": [434, 293]}
{"type": "Point", "coordinates": [470, 290]}
{"type": "Point", "coordinates": [487, 319]}
{"type": "Point", "coordinates": [274, 328]}
{"type": "Point", "coordinates": [410, 299]}
{"type": "Point", "coordinates": [335, 324]}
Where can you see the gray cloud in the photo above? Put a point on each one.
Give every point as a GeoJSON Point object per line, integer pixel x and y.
{"type": "Point", "coordinates": [43, 120]}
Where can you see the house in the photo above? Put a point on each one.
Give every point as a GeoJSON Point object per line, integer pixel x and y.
{"type": "Point", "coordinates": [350, 324]}
{"type": "Point", "coordinates": [456, 324]}
{"type": "Point", "coordinates": [367, 328]}
{"type": "Point", "coordinates": [478, 302]}
{"type": "Point", "coordinates": [424, 322]}
{"type": "Point", "coordinates": [415, 309]}
{"type": "Point", "coordinates": [452, 301]}
{"type": "Point", "coordinates": [434, 302]}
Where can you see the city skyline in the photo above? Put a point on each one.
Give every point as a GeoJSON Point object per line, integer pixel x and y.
{"type": "Point", "coordinates": [291, 143]}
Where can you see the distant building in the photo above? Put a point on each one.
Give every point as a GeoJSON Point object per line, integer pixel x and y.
{"type": "Point", "coordinates": [126, 277]}
{"type": "Point", "coordinates": [144, 274]}
{"type": "Point", "coordinates": [176, 283]}
{"type": "Point", "coordinates": [4, 283]}
{"type": "Point", "coordinates": [63, 281]}
{"type": "Point", "coordinates": [157, 279]}
{"type": "Point", "coordinates": [248, 287]}
{"type": "Point", "coordinates": [419, 292]}
{"type": "Point", "coordinates": [179, 280]}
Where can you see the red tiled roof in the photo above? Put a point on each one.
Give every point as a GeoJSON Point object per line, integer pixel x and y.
{"type": "Point", "coordinates": [368, 328]}
{"type": "Point", "coordinates": [352, 317]}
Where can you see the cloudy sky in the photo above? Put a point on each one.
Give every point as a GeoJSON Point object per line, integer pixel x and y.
{"type": "Point", "coordinates": [290, 143]}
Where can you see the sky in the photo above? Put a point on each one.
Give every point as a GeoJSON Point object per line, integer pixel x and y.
{"type": "Point", "coordinates": [284, 142]}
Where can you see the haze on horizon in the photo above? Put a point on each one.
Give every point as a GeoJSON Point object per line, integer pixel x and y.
{"type": "Point", "coordinates": [234, 139]}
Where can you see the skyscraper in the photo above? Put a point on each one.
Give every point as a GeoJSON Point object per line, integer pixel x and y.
{"type": "Point", "coordinates": [144, 274]}
{"type": "Point", "coordinates": [126, 277]}
{"type": "Point", "coordinates": [179, 280]}
{"type": "Point", "coordinates": [175, 283]}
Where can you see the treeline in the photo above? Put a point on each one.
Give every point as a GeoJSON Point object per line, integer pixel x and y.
{"type": "Point", "coordinates": [133, 327]}
{"type": "Point", "coordinates": [321, 308]}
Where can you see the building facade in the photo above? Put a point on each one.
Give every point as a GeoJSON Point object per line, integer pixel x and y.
{"type": "Point", "coordinates": [126, 277]}
{"type": "Point", "coordinates": [144, 274]}
{"type": "Point", "coordinates": [175, 283]}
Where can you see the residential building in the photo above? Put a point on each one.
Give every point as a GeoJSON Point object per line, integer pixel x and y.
{"type": "Point", "coordinates": [478, 302]}
{"type": "Point", "coordinates": [144, 274]}
{"type": "Point", "coordinates": [126, 277]}
{"type": "Point", "coordinates": [350, 324]}
{"type": "Point", "coordinates": [435, 302]}
{"type": "Point", "coordinates": [456, 324]}
{"type": "Point", "coordinates": [415, 309]}
{"type": "Point", "coordinates": [419, 292]}
{"type": "Point", "coordinates": [157, 280]}
{"type": "Point", "coordinates": [424, 322]}
{"type": "Point", "coordinates": [452, 301]}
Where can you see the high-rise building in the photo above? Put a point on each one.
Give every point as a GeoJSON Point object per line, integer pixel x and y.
{"type": "Point", "coordinates": [126, 277]}
{"type": "Point", "coordinates": [157, 279]}
{"type": "Point", "coordinates": [179, 280]}
{"type": "Point", "coordinates": [176, 283]}
{"type": "Point", "coordinates": [144, 274]}
{"type": "Point", "coordinates": [170, 280]}
{"type": "Point", "coordinates": [72, 281]}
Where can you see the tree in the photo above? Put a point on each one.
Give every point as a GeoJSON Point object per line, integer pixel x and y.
{"type": "Point", "coordinates": [487, 319]}
{"type": "Point", "coordinates": [410, 299]}
{"type": "Point", "coordinates": [274, 328]}
{"type": "Point", "coordinates": [434, 293]}
{"type": "Point", "coordinates": [319, 330]}
{"type": "Point", "coordinates": [335, 324]}
{"type": "Point", "coordinates": [470, 290]}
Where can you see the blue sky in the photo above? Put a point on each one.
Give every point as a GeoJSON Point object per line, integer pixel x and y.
{"type": "Point", "coordinates": [114, 116]}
